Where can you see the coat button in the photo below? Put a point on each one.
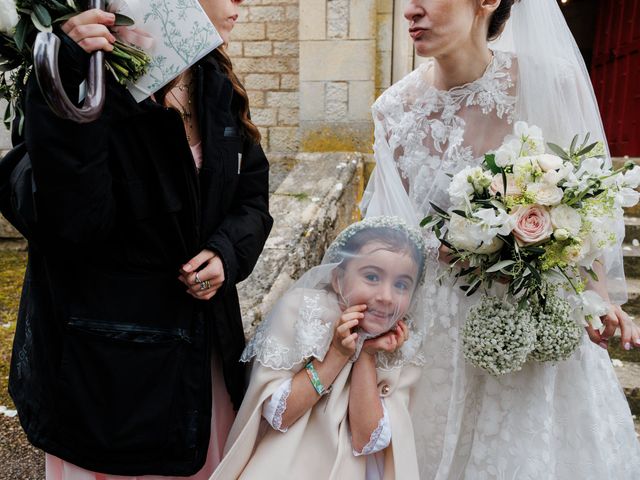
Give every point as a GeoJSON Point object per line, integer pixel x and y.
{"type": "Point", "coordinates": [385, 389]}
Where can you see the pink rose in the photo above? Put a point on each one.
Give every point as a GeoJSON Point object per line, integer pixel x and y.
{"type": "Point", "coordinates": [533, 224]}
{"type": "Point", "coordinates": [497, 185]}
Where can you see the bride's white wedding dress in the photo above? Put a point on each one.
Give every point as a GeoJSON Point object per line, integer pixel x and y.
{"type": "Point", "coordinates": [561, 421]}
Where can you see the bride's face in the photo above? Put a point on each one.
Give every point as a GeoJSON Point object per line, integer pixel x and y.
{"type": "Point", "coordinates": [440, 26]}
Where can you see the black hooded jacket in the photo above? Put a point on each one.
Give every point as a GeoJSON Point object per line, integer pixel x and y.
{"type": "Point", "coordinates": [111, 360]}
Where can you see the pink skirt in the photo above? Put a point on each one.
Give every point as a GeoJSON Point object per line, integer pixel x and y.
{"type": "Point", "coordinates": [221, 420]}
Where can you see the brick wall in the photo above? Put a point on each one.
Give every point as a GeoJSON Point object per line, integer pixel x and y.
{"type": "Point", "coordinates": [265, 52]}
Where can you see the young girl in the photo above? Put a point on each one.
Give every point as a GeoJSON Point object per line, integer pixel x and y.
{"type": "Point", "coordinates": [334, 366]}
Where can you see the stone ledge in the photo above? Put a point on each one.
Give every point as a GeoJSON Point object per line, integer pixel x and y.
{"type": "Point", "coordinates": [316, 200]}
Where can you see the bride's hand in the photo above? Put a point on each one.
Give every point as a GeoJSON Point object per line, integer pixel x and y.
{"type": "Point", "coordinates": [614, 319]}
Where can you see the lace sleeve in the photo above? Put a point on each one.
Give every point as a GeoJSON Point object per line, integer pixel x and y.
{"type": "Point", "coordinates": [276, 405]}
{"type": "Point", "coordinates": [380, 437]}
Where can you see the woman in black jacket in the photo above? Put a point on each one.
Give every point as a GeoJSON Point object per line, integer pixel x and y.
{"type": "Point", "coordinates": [112, 361]}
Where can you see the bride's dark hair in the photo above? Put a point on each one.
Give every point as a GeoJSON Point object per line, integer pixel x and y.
{"type": "Point", "coordinates": [499, 18]}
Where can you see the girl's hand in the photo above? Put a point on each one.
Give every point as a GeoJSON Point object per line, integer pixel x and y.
{"type": "Point", "coordinates": [89, 30]}
{"type": "Point", "coordinates": [389, 342]}
{"type": "Point", "coordinates": [203, 275]}
{"type": "Point", "coordinates": [614, 319]}
{"type": "Point", "coordinates": [344, 341]}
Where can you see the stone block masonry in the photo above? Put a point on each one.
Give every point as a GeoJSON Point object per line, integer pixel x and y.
{"type": "Point", "coordinates": [264, 49]}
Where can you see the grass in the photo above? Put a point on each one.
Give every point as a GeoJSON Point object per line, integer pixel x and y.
{"type": "Point", "coordinates": [12, 265]}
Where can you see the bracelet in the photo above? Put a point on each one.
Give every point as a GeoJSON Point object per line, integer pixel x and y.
{"type": "Point", "coordinates": [314, 378]}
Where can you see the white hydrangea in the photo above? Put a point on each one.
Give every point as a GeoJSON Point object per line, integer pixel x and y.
{"type": "Point", "coordinates": [567, 218]}
{"type": "Point", "coordinates": [557, 333]}
{"type": "Point", "coordinates": [498, 337]}
{"type": "Point", "coordinates": [8, 17]}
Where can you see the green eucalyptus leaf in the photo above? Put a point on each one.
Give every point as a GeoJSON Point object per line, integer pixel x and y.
{"type": "Point", "coordinates": [500, 265]}
{"type": "Point", "coordinates": [123, 20]}
{"type": "Point", "coordinates": [22, 30]}
{"type": "Point", "coordinates": [42, 14]}
{"type": "Point", "coordinates": [490, 161]}
{"type": "Point", "coordinates": [558, 151]}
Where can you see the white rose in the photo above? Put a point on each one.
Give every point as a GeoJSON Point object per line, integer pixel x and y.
{"type": "Point", "coordinates": [549, 162]}
{"type": "Point", "coordinates": [632, 177]}
{"type": "Point", "coordinates": [567, 218]}
{"type": "Point", "coordinates": [507, 153]}
{"type": "Point", "coordinates": [627, 197]}
{"type": "Point", "coordinates": [460, 188]}
{"type": "Point", "coordinates": [546, 194]}
{"type": "Point", "coordinates": [467, 235]}
{"type": "Point", "coordinates": [8, 17]}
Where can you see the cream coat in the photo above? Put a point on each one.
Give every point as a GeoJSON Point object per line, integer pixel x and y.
{"type": "Point", "coordinates": [318, 445]}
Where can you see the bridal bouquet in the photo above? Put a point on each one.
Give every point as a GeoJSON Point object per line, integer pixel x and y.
{"type": "Point", "coordinates": [537, 221]}
{"type": "Point", "coordinates": [21, 20]}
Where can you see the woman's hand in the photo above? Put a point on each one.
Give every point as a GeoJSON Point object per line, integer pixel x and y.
{"type": "Point", "coordinates": [344, 340]}
{"type": "Point", "coordinates": [614, 319]}
{"type": "Point", "coordinates": [203, 275]}
{"type": "Point", "coordinates": [389, 342]}
{"type": "Point", "coordinates": [89, 29]}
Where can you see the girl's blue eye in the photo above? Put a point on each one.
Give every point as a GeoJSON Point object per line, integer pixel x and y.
{"type": "Point", "coordinates": [372, 277]}
{"type": "Point", "coordinates": [402, 286]}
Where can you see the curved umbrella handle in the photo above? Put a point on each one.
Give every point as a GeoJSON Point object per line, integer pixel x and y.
{"type": "Point", "coordinates": [45, 63]}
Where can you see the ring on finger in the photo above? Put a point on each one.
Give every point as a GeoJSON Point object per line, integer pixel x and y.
{"type": "Point", "coordinates": [205, 285]}
{"type": "Point", "coordinates": [198, 278]}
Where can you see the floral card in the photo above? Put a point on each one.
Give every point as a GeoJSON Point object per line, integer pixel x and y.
{"type": "Point", "coordinates": [174, 33]}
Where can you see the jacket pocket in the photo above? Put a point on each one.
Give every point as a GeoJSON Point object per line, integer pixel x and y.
{"type": "Point", "coordinates": [119, 384]}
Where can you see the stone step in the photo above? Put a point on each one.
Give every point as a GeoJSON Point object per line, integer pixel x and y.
{"type": "Point", "coordinates": [631, 260]}
{"type": "Point", "coordinates": [628, 374]}
{"type": "Point", "coordinates": [632, 229]}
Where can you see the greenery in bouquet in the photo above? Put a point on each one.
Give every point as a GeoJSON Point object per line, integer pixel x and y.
{"type": "Point", "coordinates": [20, 22]}
{"type": "Point", "coordinates": [539, 222]}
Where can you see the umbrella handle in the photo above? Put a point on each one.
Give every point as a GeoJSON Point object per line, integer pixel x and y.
{"type": "Point", "coordinates": [45, 63]}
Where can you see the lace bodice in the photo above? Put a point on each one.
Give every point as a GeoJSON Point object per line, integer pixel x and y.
{"type": "Point", "coordinates": [433, 132]}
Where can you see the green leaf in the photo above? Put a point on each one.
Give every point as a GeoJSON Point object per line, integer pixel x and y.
{"type": "Point", "coordinates": [22, 29]}
{"type": "Point", "coordinates": [461, 213]}
{"type": "Point", "coordinates": [586, 149]}
{"type": "Point", "coordinates": [490, 161]}
{"type": "Point", "coordinates": [592, 274]}
{"type": "Point", "coordinates": [473, 288]}
{"type": "Point", "coordinates": [439, 210]}
{"type": "Point", "coordinates": [66, 17]}
{"type": "Point", "coordinates": [504, 183]}
{"type": "Point", "coordinates": [426, 220]}
{"type": "Point", "coordinates": [123, 20]}
{"type": "Point", "coordinates": [39, 25]}
{"type": "Point", "coordinates": [42, 15]}
{"type": "Point", "coordinates": [574, 142]}
{"type": "Point", "coordinates": [558, 151]}
{"type": "Point", "coordinates": [500, 265]}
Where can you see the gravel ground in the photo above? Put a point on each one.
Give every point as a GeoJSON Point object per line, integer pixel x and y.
{"type": "Point", "coordinates": [18, 459]}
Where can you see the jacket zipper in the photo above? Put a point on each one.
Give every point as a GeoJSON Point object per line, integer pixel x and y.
{"type": "Point", "coordinates": [109, 327]}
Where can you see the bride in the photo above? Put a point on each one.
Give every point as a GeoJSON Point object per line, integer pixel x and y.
{"type": "Point", "coordinates": [493, 63]}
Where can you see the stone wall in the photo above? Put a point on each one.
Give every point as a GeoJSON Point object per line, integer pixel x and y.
{"type": "Point", "coordinates": [264, 49]}
{"type": "Point", "coordinates": [337, 74]}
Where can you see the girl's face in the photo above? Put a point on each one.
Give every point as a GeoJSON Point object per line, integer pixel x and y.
{"type": "Point", "coordinates": [441, 26]}
{"type": "Point", "coordinates": [383, 280]}
{"type": "Point", "coordinates": [223, 14]}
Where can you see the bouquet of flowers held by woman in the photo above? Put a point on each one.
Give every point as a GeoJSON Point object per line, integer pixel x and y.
{"type": "Point", "coordinates": [20, 22]}
{"type": "Point", "coordinates": [539, 222]}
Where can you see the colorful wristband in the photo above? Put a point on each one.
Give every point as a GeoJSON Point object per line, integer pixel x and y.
{"type": "Point", "coordinates": [312, 373]}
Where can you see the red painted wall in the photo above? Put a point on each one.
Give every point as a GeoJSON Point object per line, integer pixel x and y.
{"type": "Point", "coordinates": [615, 72]}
